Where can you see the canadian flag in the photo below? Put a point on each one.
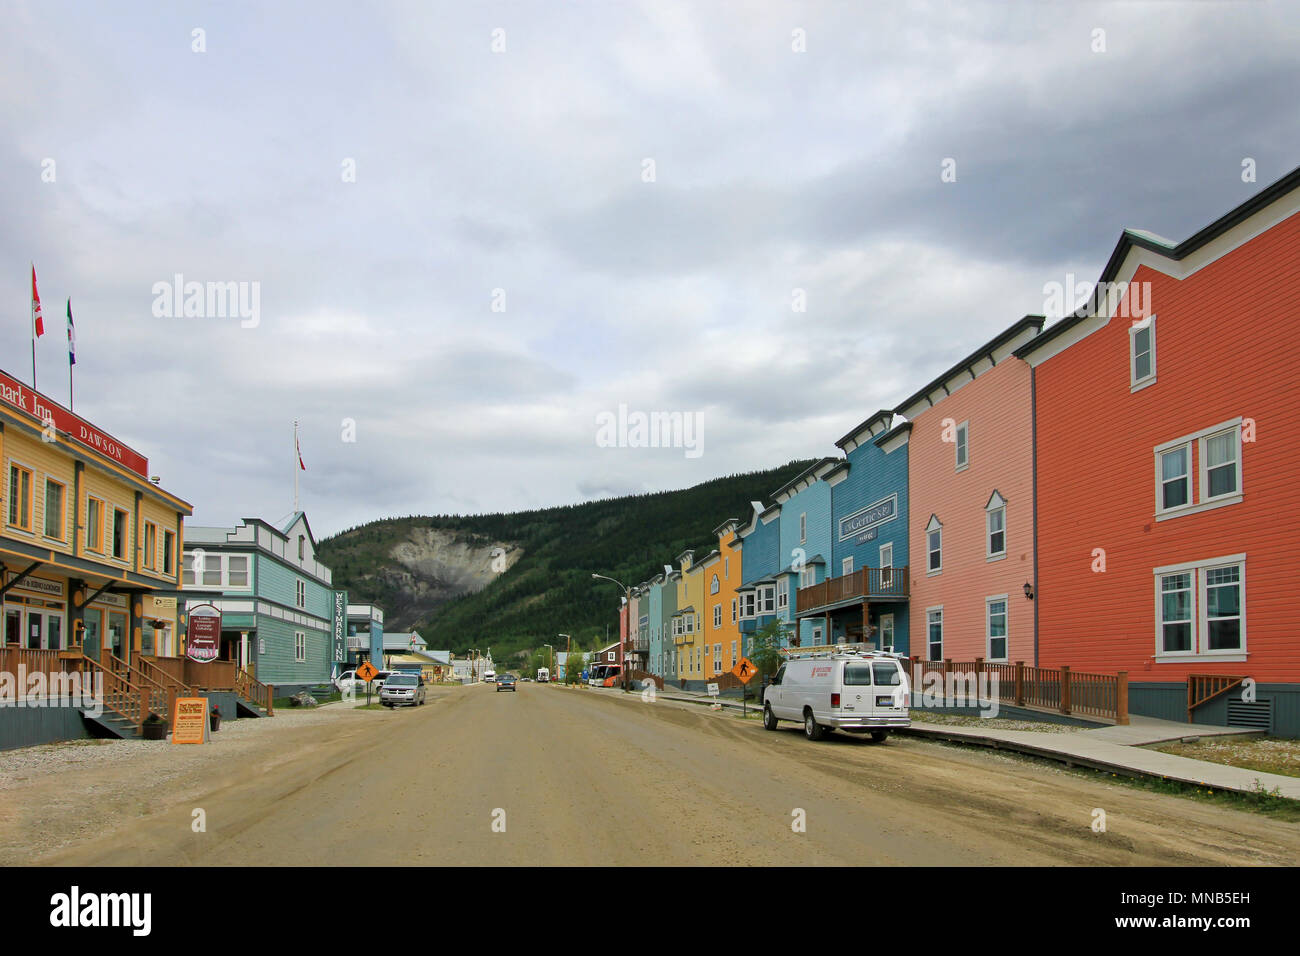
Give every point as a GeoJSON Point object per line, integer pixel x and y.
{"type": "Point", "coordinates": [298, 449]}
{"type": "Point", "coordinates": [38, 322]}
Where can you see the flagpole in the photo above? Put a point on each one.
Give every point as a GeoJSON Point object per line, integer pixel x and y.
{"type": "Point", "coordinates": [33, 325]}
{"type": "Point", "coordinates": [72, 356]}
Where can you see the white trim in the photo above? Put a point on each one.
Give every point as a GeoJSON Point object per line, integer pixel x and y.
{"type": "Point", "coordinates": [890, 548]}
{"type": "Point", "coordinates": [1135, 383]}
{"type": "Point", "coordinates": [988, 627]}
{"type": "Point", "coordinates": [935, 525]}
{"type": "Point", "coordinates": [939, 608]}
{"type": "Point", "coordinates": [957, 445]}
{"type": "Point", "coordinates": [1199, 618]}
{"type": "Point", "coordinates": [1204, 471]}
{"type": "Point", "coordinates": [990, 555]}
{"type": "Point", "coordinates": [1196, 491]}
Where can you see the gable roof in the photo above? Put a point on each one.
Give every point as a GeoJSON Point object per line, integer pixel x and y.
{"type": "Point", "coordinates": [1141, 239]}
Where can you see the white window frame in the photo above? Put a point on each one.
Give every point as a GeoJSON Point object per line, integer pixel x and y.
{"type": "Point", "coordinates": [887, 643]}
{"type": "Point", "coordinates": [1197, 474]}
{"type": "Point", "coordinates": [300, 647]}
{"type": "Point", "coordinates": [928, 611]}
{"type": "Point", "coordinates": [997, 504]}
{"type": "Point", "coordinates": [962, 442]}
{"type": "Point", "coordinates": [714, 586]}
{"type": "Point", "coordinates": [300, 594]}
{"type": "Point", "coordinates": [767, 599]}
{"type": "Point", "coordinates": [717, 616]}
{"type": "Point", "coordinates": [735, 610]}
{"type": "Point", "coordinates": [934, 527]}
{"type": "Point", "coordinates": [803, 528]}
{"type": "Point", "coordinates": [808, 576]}
{"type": "Point", "coordinates": [1135, 383]}
{"type": "Point", "coordinates": [782, 593]}
{"type": "Point", "coordinates": [1199, 615]}
{"type": "Point", "coordinates": [846, 566]}
{"type": "Point", "coordinates": [887, 563]}
{"type": "Point", "coordinates": [988, 627]}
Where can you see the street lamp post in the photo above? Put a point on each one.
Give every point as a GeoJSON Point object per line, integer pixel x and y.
{"type": "Point", "coordinates": [551, 669]}
{"type": "Point", "coordinates": [627, 603]}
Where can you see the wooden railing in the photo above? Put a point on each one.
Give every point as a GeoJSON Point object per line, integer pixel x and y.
{"type": "Point", "coordinates": [254, 691]}
{"type": "Point", "coordinates": [1046, 688]}
{"type": "Point", "coordinates": [156, 697]}
{"type": "Point", "coordinates": [119, 695]}
{"type": "Point", "coordinates": [30, 660]}
{"type": "Point", "coordinates": [150, 668]}
{"type": "Point", "coordinates": [883, 583]}
{"type": "Point", "coordinates": [1205, 687]}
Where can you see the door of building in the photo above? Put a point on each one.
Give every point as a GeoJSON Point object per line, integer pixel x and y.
{"type": "Point", "coordinates": [116, 638]}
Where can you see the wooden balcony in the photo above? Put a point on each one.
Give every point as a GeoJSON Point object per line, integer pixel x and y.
{"type": "Point", "coordinates": [865, 584]}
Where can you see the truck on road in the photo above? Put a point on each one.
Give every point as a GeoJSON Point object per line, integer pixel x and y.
{"type": "Point", "coordinates": [543, 675]}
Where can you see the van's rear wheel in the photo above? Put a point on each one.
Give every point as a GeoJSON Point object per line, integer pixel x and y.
{"type": "Point", "coordinates": [879, 736]}
{"type": "Point", "coordinates": [769, 718]}
{"type": "Point", "coordinates": [812, 730]}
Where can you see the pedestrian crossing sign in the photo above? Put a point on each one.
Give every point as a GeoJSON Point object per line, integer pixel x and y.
{"type": "Point", "coordinates": [745, 670]}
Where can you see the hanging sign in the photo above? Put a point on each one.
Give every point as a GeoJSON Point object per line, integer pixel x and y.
{"type": "Point", "coordinates": [203, 633]}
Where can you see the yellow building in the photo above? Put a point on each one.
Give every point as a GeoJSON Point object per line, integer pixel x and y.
{"type": "Point", "coordinates": [688, 636]}
{"type": "Point", "coordinates": [88, 539]}
{"type": "Point", "coordinates": [722, 616]}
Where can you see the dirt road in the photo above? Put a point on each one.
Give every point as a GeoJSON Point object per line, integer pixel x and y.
{"type": "Point", "coordinates": [582, 777]}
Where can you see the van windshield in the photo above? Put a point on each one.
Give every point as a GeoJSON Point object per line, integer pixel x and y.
{"type": "Point", "coordinates": [857, 673]}
{"type": "Point", "coordinates": [887, 674]}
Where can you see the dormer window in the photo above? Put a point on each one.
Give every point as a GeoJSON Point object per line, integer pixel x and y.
{"type": "Point", "coordinates": [934, 546]}
{"type": "Point", "coordinates": [996, 517]}
{"type": "Point", "coordinates": [302, 547]}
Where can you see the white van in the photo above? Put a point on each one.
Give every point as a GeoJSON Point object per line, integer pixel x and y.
{"type": "Point", "coordinates": [489, 677]}
{"type": "Point", "coordinates": [839, 688]}
{"type": "Point", "coordinates": [543, 675]}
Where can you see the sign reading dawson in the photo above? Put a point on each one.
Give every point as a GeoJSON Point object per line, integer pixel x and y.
{"type": "Point", "coordinates": [864, 520]}
{"type": "Point", "coordinates": [52, 414]}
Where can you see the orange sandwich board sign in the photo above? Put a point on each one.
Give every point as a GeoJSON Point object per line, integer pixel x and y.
{"type": "Point", "coordinates": [190, 725]}
{"type": "Point", "coordinates": [367, 672]}
{"type": "Point", "coordinates": [745, 670]}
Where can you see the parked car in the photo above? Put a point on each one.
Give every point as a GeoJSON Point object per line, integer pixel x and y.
{"type": "Point", "coordinates": [860, 692]}
{"type": "Point", "coordinates": [402, 689]}
{"type": "Point", "coordinates": [506, 682]}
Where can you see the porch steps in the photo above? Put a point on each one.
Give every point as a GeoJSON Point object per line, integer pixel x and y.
{"type": "Point", "coordinates": [113, 724]}
{"type": "Point", "coordinates": [246, 708]}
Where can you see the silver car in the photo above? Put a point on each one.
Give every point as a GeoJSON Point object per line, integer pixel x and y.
{"type": "Point", "coordinates": [402, 689]}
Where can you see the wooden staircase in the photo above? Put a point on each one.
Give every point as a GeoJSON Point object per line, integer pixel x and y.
{"type": "Point", "coordinates": [253, 698]}
{"type": "Point", "coordinates": [1202, 688]}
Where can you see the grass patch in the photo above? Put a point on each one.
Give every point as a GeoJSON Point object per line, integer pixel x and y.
{"type": "Point", "coordinates": [1265, 754]}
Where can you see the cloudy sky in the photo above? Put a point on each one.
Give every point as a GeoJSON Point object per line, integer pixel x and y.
{"type": "Point", "coordinates": [475, 227]}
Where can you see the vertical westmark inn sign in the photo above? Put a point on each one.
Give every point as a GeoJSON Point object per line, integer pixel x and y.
{"type": "Point", "coordinates": [340, 626]}
{"type": "Point", "coordinates": [17, 395]}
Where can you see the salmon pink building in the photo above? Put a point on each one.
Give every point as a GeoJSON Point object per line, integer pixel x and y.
{"type": "Point", "coordinates": [971, 506]}
{"type": "Point", "coordinates": [1166, 417]}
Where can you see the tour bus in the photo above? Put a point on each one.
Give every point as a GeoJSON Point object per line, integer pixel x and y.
{"type": "Point", "coordinates": [845, 687]}
{"type": "Point", "coordinates": [604, 675]}
{"type": "Point", "coordinates": [543, 675]}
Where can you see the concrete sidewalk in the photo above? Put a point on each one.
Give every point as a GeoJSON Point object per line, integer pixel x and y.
{"type": "Point", "coordinates": [1103, 749]}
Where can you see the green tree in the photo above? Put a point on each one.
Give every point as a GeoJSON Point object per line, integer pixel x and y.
{"type": "Point", "coordinates": [766, 655]}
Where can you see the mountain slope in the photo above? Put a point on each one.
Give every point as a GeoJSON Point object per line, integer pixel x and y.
{"type": "Point", "coordinates": [510, 581]}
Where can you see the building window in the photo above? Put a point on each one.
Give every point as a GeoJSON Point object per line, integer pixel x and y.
{"type": "Point", "coordinates": [783, 593]}
{"type": "Point", "coordinates": [1201, 609]}
{"type": "Point", "coordinates": [119, 533]}
{"type": "Point", "coordinates": [1218, 464]}
{"type": "Point", "coordinates": [713, 585]}
{"type": "Point", "coordinates": [20, 497]}
{"type": "Point", "coordinates": [150, 545]}
{"type": "Point", "coordinates": [726, 567]}
{"type": "Point", "coordinates": [886, 631]}
{"type": "Point", "coordinates": [302, 547]}
{"type": "Point", "coordinates": [1176, 613]}
{"type": "Point", "coordinates": [717, 616]}
{"type": "Point", "coordinates": [934, 633]}
{"type": "Point", "coordinates": [300, 597]}
{"type": "Point", "coordinates": [55, 523]}
{"type": "Point", "coordinates": [963, 446]}
{"type": "Point", "coordinates": [1221, 464]}
{"type": "Point", "coordinates": [94, 525]}
{"type": "Point", "coordinates": [748, 604]}
{"type": "Point", "coordinates": [817, 636]}
{"type": "Point", "coordinates": [1174, 484]}
{"type": "Point", "coordinates": [996, 616]}
{"type": "Point", "coordinates": [767, 599]}
{"type": "Point", "coordinates": [734, 610]}
{"type": "Point", "coordinates": [996, 511]}
{"type": "Point", "coordinates": [299, 646]}
{"type": "Point", "coordinates": [717, 656]}
{"type": "Point", "coordinates": [846, 566]}
{"type": "Point", "coordinates": [934, 546]}
{"type": "Point", "coordinates": [169, 552]}
{"type": "Point", "coordinates": [803, 527]}
{"type": "Point", "coordinates": [887, 565]}
{"type": "Point", "coordinates": [1142, 353]}
{"type": "Point", "coordinates": [237, 571]}
{"type": "Point", "coordinates": [733, 654]}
